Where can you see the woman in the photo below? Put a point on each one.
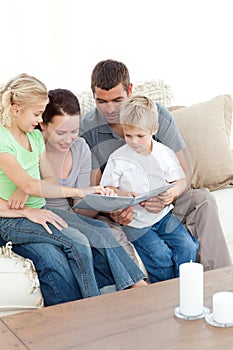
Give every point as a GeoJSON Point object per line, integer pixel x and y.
{"type": "Point", "coordinates": [71, 160]}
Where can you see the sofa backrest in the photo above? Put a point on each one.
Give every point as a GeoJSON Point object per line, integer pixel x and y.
{"type": "Point", "coordinates": [157, 90]}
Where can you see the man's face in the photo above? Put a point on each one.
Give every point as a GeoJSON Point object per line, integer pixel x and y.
{"type": "Point", "coordinates": [109, 102]}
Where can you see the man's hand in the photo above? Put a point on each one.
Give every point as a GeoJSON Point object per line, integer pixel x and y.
{"type": "Point", "coordinates": [122, 217]}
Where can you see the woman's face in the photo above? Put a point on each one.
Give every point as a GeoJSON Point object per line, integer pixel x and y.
{"type": "Point", "coordinates": [61, 132]}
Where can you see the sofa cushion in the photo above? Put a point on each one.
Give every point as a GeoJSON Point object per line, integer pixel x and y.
{"type": "Point", "coordinates": [157, 90]}
{"type": "Point", "coordinates": [20, 286]}
{"type": "Point", "coordinates": [206, 128]}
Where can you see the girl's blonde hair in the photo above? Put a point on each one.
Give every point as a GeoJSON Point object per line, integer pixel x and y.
{"type": "Point", "coordinates": [23, 90]}
{"type": "Point", "coordinates": [140, 111]}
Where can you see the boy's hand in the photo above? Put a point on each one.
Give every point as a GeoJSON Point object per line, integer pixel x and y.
{"type": "Point", "coordinates": [156, 204]}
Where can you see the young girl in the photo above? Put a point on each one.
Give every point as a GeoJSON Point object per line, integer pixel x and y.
{"type": "Point", "coordinates": [22, 162]}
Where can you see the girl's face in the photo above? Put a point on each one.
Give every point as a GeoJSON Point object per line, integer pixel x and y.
{"type": "Point", "coordinates": [61, 132]}
{"type": "Point", "coordinates": [27, 118]}
{"type": "Point", "coordinates": [139, 139]}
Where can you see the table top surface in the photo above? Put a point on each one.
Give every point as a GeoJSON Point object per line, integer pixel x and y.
{"type": "Point", "coordinates": [139, 318]}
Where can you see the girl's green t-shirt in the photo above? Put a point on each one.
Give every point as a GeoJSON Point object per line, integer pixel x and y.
{"type": "Point", "coordinates": [28, 160]}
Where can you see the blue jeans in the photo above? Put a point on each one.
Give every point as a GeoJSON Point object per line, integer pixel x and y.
{"type": "Point", "coordinates": [163, 247]}
{"type": "Point", "coordinates": [124, 270]}
{"type": "Point", "coordinates": [57, 282]}
{"type": "Point", "coordinates": [59, 260]}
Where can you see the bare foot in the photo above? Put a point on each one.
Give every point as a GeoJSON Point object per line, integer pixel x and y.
{"type": "Point", "coordinates": [141, 283]}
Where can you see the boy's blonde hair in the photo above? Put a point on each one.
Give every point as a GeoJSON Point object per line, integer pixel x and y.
{"type": "Point", "coordinates": [23, 90]}
{"type": "Point", "coordinates": [140, 111]}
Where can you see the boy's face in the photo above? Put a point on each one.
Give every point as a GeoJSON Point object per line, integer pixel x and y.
{"type": "Point", "coordinates": [109, 102]}
{"type": "Point", "coordinates": [139, 139]}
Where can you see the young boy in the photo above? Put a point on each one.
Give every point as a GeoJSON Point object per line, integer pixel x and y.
{"type": "Point", "coordinates": [139, 166]}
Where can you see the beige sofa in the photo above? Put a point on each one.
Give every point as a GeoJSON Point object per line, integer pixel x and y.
{"type": "Point", "coordinates": [206, 129]}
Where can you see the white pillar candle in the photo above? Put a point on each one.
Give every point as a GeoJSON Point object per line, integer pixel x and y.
{"type": "Point", "coordinates": [223, 307]}
{"type": "Point", "coordinates": [191, 289]}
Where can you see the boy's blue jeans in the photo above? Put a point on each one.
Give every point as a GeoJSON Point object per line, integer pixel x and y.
{"type": "Point", "coordinates": [163, 247]}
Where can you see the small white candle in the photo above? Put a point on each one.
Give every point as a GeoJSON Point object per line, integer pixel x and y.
{"type": "Point", "coordinates": [191, 289]}
{"type": "Point", "coordinates": [223, 307]}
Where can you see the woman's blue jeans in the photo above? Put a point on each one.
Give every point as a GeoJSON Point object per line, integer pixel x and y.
{"type": "Point", "coordinates": [69, 262]}
{"type": "Point", "coordinates": [163, 247]}
{"type": "Point", "coordinates": [124, 270]}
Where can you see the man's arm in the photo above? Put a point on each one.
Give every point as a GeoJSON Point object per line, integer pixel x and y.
{"type": "Point", "coordinates": [169, 135]}
{"type": "Point", "coordinates": [185, 162]}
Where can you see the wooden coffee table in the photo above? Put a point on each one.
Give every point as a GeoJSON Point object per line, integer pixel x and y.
{"type": "Point", "coordinates": [134, 319]}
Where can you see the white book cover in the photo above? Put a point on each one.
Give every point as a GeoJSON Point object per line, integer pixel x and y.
{"type": "Point", "coordinates": [111, 203]}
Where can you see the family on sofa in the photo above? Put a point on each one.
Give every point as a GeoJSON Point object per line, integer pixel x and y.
{"type": "Point", "coordinates": [73, 264]}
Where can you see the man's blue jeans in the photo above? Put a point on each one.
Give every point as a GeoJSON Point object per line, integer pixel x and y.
{"type": "Point", "coordinates": [60, 261]}
{"type": "Point", "coordinates": [163, 247]}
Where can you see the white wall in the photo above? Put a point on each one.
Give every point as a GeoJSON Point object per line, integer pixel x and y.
{"type": "Point", "coordinates": [187, 43]}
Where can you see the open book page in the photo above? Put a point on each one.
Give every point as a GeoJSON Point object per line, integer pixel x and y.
{"type": "Point", "coordinates": [111, 203]}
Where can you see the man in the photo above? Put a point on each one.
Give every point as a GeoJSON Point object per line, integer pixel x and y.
{"type": "Point", "coordinates": [196, 208]}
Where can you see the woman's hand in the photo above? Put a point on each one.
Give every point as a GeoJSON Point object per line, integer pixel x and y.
{"type": "Point", "coordinates": [44, 216]}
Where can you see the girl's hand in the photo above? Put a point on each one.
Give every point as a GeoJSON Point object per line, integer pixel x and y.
{"type": "Point", "coordinates": [98, 190]}
{"type": "Point", "coordinates": [43, 216]}
{"type": "Point", "coordinates": [18, 199]}
{"type": "Point", "coordinates": [110, 191]}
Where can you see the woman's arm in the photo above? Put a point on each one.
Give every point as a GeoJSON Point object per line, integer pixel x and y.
{"type": "Point", "coordinates": [39, 216]}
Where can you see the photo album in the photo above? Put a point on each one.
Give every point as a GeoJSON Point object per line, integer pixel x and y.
{"type": "Point", "coordinates": [111, 203]}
